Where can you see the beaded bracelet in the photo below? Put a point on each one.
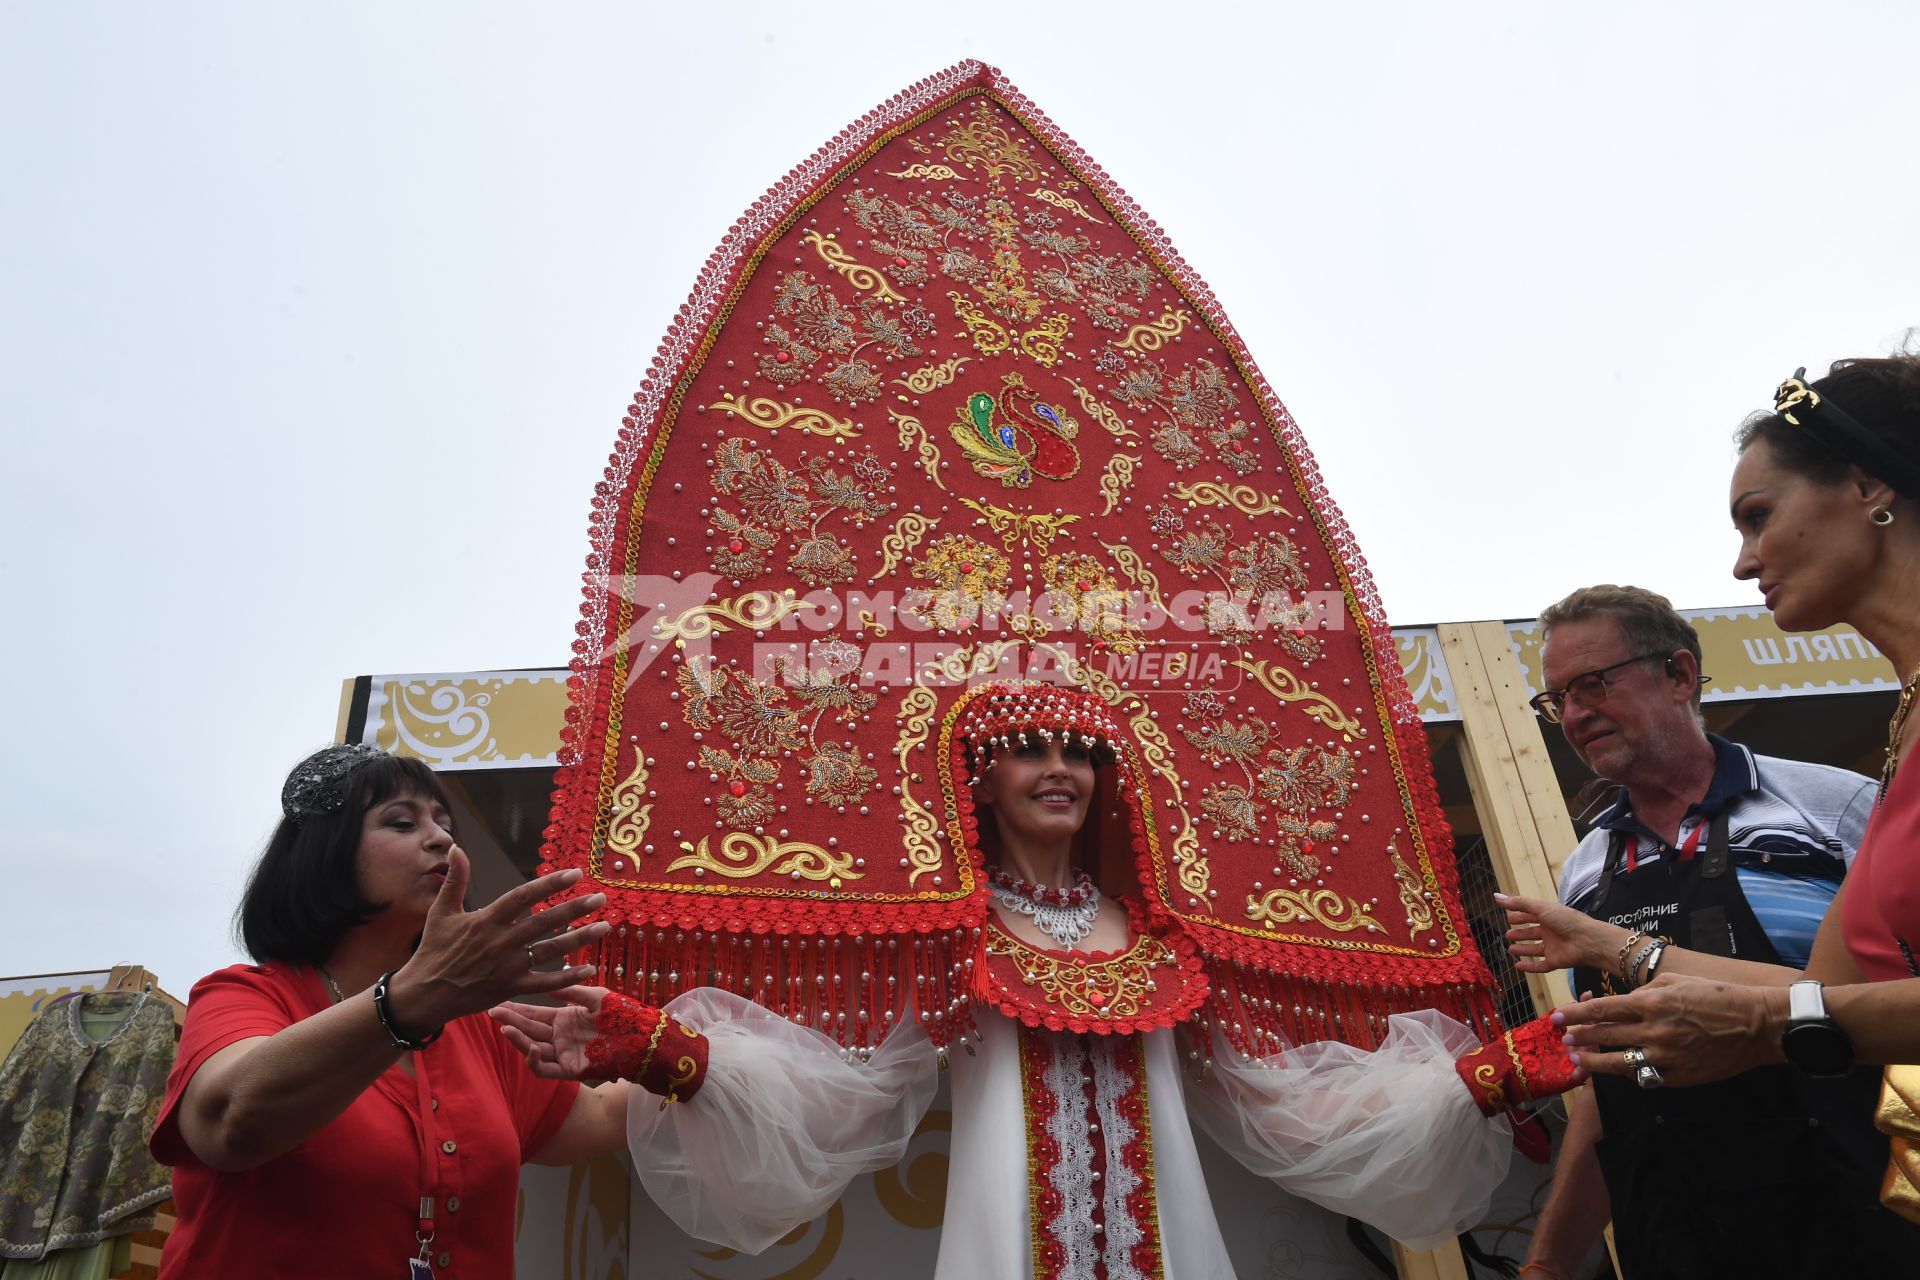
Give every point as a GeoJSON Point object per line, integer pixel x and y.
{"type": "Point", "coordinates": [1639, 957]}
{"type": "Point", "coordinates": [384, 1009]}
{"type": "Point", "coordinates": [1620, 961]}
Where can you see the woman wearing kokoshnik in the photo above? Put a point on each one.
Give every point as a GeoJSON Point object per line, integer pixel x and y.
{"type": "Point", "coordinates": [1084, 999]}
{"type": "Point", "coordinates": [946, 406]}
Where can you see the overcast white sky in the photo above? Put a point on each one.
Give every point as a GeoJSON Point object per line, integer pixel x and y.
{"type": "Point", "coordinates": [317, 321]}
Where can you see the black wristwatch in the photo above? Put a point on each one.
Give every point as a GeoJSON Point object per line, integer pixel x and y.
{"type": "Point", "coordinates": [1813, 1041]}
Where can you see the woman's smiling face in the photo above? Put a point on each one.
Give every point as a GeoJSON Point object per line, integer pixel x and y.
{"type": "Point", "coordinates": [1039, 793]}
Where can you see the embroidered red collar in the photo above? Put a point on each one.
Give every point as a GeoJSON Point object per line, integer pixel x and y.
{"type": "Point", "coordinates": [1156, 982]}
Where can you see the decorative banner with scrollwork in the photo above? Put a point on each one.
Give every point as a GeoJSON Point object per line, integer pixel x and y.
{"type": "Point", "coordinates": [947, 407]}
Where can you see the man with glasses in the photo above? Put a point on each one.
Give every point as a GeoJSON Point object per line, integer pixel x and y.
{"type": "Point", "coordinates": [1710, 848]}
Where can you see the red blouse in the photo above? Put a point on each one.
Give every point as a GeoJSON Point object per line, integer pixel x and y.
{"type": "Point", "coordinates": [1882, 900]}
{"type": "Point", "coordinates": [345, 1201]}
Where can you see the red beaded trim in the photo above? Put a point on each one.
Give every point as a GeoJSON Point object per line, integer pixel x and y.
{"type": "Point", "coordinates": [1003, 714]}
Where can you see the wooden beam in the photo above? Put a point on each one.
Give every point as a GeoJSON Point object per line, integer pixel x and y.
{"type": "Point", "coordinates": [1444, 1263]}
{"type": "Point", "coordinates": [1522, 814]}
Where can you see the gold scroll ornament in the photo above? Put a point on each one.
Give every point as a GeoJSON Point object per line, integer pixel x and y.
{"type": "Point", "coordinates": [1103, 414]}
{"type": "Point", "coordinates": [926, 172]}
{"type": "Point", "coordinates": [1038, 527]}
{"type": "Point", "coordinates": [743, 854]}
{"type": "Point", "coordinates": [1116, 478]}
{"type": "Point", "coordinates": [934, 376]}
{"type": "Point", "coordinates": [756, 610]}
{"type": "Point", "coordinates": [1243, 498]}
{"type": "Point", "coordinates": [921, 836]}
{"type": "Point", "coordinates": [765, 411]}
{"type": "Point", "coordinates": [907, 534]}
{"type": "Point", "coordinates": [632, 812]}
{"type": "Point", "coordinates": [1153, 336]}
{"type": "Point", "coordinates": [913, 439]}
{"type": "Point", "coordinates": [1413, 894]}
{"type": "Point", "coordinates": [1322, 906]}
{"type": "Point", "coordinates": [1287, 687]}
{"type": "Point", "coordinates": [1064, 202]}
{"type": "Point", "coordinates": [858, 274]}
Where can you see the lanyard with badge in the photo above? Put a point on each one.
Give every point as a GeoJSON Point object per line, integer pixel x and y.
{"type": "Point", "coordinates": [420, 1266]}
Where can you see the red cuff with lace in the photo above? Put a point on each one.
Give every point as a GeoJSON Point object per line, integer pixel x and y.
{"type": "Point", "coordinates": [1526, 1064]}
{"type": "Point", "coordinates": [637, 1042]}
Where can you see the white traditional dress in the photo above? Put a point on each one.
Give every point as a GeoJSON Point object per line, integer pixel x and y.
{"type": "Point", "coordinates": [1072, 1153]}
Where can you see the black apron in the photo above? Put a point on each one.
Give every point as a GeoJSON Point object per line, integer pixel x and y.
{"type": "Point", "coordinates": [1770, 1174]}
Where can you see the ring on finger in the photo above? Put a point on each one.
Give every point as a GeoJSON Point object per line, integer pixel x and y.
{"type": "Point", "coordinates": [1635, 1058]}
{"type": "Point", "coordinates": [532, 963]}
{"type": "Point", "coordinates": [1648, 1076]}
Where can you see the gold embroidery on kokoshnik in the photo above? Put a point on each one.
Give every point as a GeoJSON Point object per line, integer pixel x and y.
{"type": "Point", "coordinates": [744, 854]}
{"type": "Point", "coordinates": [861, 276]}
{"type": "Point", "coordinates": [927, 173]}
{"type": "Point", "coordinates": [765, 411]}
{"type": "Point", "coordinates": [1412, 892]}
{"type": "Point", "coordinates": [933, 376]}
{"type": "Point", "coordinates": [1151, 337]}
{"type": "Point", "coordinates": [913, 439]}
{"type": "Point", "coordinates": [1322, 906]}
{"type": "Point", "coordinates": [1241, 497]}
{"type": "Point", "coordinates": [908, 531]}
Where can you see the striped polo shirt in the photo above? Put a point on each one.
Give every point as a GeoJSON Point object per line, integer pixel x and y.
{"type": "Point", "coordinates": [1792, 826]}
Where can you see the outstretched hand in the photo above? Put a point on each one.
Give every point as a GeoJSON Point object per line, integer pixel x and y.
{"type": "Point", "coordinates": [472, 960]}
{"type": "Point", "coordinates": [553, 1038]}
{"type": "Point", "coordinates": [1544, 936]}
{"type": "Point", "coordinates": [1691, 1030]}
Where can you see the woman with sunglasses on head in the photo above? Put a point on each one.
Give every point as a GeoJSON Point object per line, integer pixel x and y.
{"type": "Point", "coordinates": [1826, 500]}
{"type": "Point", "coordinates": [343, 1107]}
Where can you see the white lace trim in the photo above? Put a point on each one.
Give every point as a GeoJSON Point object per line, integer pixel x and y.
{"type": "Point", "coordinates": [1111, 1084]}
{"type": "Point", "coordinates": [1072, 1177]}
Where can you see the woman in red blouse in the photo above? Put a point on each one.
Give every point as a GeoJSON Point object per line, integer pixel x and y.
{"type": "Point", "coordinates": [344, 1107]}
{"type": "Point", "coordinates": [1826, 499]}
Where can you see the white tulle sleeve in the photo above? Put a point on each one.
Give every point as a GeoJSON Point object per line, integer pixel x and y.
{"type": "Point", "coordinates": [1390, 1137]}
{"type": "Point", "coordinates": [781, 1124]}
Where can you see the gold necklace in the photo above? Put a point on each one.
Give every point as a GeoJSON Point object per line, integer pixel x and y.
{"type": "Point", "coordinates": [1895, 727]}
{"type": "Point", "coordinates": [339, 997]}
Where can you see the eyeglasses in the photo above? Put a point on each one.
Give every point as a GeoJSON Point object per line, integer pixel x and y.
{"type": "Point", "coordinates": [1590, 688]}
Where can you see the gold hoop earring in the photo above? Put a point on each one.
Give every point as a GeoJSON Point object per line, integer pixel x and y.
{"type": "Point", "coordinates": [1882, 516]}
